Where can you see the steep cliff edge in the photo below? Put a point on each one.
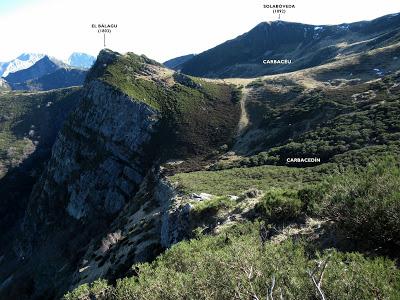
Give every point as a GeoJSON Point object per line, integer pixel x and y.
{"type": "Point", "coordinates": [101, 193]}
{"type": "Point", "coordinates": [29, 124]}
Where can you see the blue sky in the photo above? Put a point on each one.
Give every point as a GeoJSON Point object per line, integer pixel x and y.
{"type": "Point", "coordinates": [161, 29]}
{"type": "Point", "coordinates": [7, 6]}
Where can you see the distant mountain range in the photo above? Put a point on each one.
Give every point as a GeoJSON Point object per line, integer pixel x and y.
{"type": "Point", "coordinates": [285, 173]}
{"type": "Point", "coordinates": [81, 60]}
{"type": "Point", "coordinates": [23, 61]}
{"type": "Point", "coordinates": [303, 45]}
{"type": "Point", "coordinates": [32, 71]}
{"type": "Point", "coordinates": [42, 67]}
{"type": "Point", "coordinates": [176, 63]}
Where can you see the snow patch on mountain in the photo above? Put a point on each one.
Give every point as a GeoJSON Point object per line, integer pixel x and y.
{"type": "Point", "coordinates": [4, 85]}
{"type": "Point", "coordinates": [81, 60]}
{"type": "Point", "coordinates": [24, 61]}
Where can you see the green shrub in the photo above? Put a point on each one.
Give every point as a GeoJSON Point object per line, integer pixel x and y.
{"type": "Point", "coordinates": [351, 276]}
{"type": "Point", "coordinates": [99, 290]}
{"type": "Point", "coordinates": [81, 292]}
{"type": "Point", "coordinates": [213, 205]}
{"type": "Point", "coordinates": [236, 94]}
{"type": "Point", "coordinates": [256, 83]}
{"type": "Point", "coordinates": [367, 203]}
{"type": "Point", "coordinates": [235, 265]}
{"type": "Point", "coordinates": [280, 205]}
{"type": "Point", "coordinates": [235, 181]}
{"type": "Point", "coordinates": [208, 211]}
{"type": "Point", "coordinates": [311, 198]}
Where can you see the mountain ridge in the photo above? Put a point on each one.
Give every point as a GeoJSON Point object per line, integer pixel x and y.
{"type": "Point", "coordinates": [165, 185]}
{"type": "Point", "coordinates": [159, 116]}
{"type": "Point", "coordinates": [42, 67]}
{"type": "Point", "coordinates": [24, 61]}
{"type": "Point", "coordinates": [47, 73]}
{"type": "Point", "coordinates": [175, 63]}
{"type": "Point", "coordinates": [305, 45]}
{"type": "Point", "coordinates": [81, 60]}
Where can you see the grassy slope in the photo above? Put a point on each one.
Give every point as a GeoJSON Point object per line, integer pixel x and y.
{"type": "Point", "coordinates": [242, 56]}
{"type": "Point", "coordinates": [21, 112]}
{"type": "Point", "coordinates": [237, 180]}
{"type": "Point", "coordinates": [29, 123]}
{"type": "Point", "coordinates": [197, 116]}
{"type": "Point", "coordinates": [335, 120]}
{"type": "Point", "coordinates": [344, 125]}
{"type": "Point", "coordinates": [326, 121]}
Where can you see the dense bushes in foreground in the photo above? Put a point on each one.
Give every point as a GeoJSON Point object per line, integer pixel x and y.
{"type": "Point", "coordinates": [367, 203]}
{"type": "Point", "coordinates": [236, 265]}
{"type": "Point", "coordinates": [279, 206]}
{"type": "Point", "coordinates": [364, 203]}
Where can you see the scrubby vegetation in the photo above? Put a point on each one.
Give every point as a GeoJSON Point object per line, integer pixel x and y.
{"type": "Point", "coordinates": [241, 262]}
{"type": "Point", "coordinates": [98, 289]}
{"type": "Point", "coordinates": [320, 122]}
{"type": "Point", "coordinates": [29, 123]}
{"type": "Point", "coordinates": [366, 203]}
{"type": "Point", "coordinates": [279, 205]}
{"type": "Point", "coordinates": [237, 180]}
{"type": "Point", "coordinates": [198, 116]}
{"type": "Point", "coordinates": [213, 205]}
{"type": "Point", "coordinates": [21, 112]}
{"type": "Point", "coordinates": [363, 202]}
{"type": "Point", "coordinates": [238, 265]}
{"type": "Point", "coordinates": [354, 191]}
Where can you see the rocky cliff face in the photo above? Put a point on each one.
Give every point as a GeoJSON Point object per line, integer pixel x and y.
{"type": "Point", "coordinates": [96, 167]}
{"type": "Point", "coordinates": [153, 220]}
{"type": "Point", "coordinates": [29, 125]}
{"type": "Point", "coordinates": [97, 156]}
{"type": "Point", "coordinates": [102, 202]}
{"type": "Point", "coordinates": [4, 86]}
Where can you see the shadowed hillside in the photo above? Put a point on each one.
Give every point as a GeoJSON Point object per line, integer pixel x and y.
{"type": "Point", "coordinates": [305, 45]}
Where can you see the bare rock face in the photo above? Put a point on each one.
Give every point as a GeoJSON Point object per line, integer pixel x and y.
{"type": "Point", "coordinates": [175, 219]}
{"type": "Point", "coordinates": [4, 86]}
{"type": "Point", "coordinates": [102, 202]}
{"type": "Point", "coordinates": [155, 219]}
{"type": "Point", "coordinates": [97, 165]}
